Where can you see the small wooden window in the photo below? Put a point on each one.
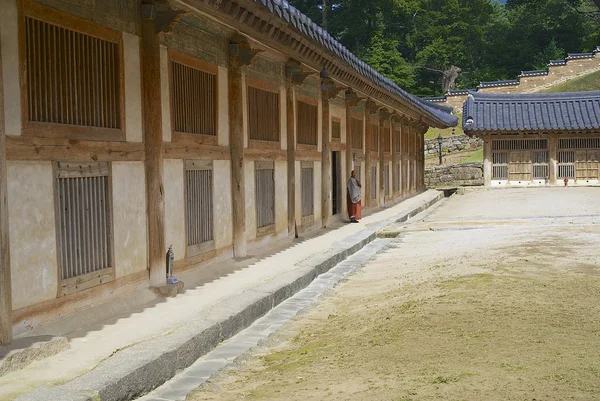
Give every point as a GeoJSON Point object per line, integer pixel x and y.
{"type": "Point", "coordinates": [307, 123]}
{"type": "Point", "coordinates": [397, 140]}
{"type": "Point", "coordinates": [336, 129]}
{"type": "Point", "coordinates": [72, 78]}
{"type": "Point", "coordinates": [356, 128]}
{"type": "Point", "coordinates": [308, 189]}
{"type": "Point", "coordinates": [265, 195]}
{"type": "Point", "coordinates": [84, 222]}
{"type": "Point", "coordinates": [387, 144]}
{"type": "Point", "coordinates": [263, 114]}
{"type": "Point", "coordinates": [198, 206]}
{"type": "Point", "coordinates": [374, 138]}
{"type": "Point", "coordinates": [194, 100]}
{"type": "Point", "coordinates": [500, 165]}
{"type": "Point", "coordinates": [373, 182]}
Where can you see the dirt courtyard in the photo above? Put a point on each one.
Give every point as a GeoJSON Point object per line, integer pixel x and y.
{"type": "Point", "coordinates": [495, 295]}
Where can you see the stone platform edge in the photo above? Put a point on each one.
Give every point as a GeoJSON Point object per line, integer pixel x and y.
{"type": "Point", "coordinates": [137, 370]}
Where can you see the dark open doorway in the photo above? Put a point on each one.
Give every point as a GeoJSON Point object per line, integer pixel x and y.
{"type": "Point", "coordinates": [335, 182]}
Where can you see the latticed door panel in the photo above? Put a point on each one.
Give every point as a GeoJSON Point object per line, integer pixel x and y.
{"type": "Point", "coordinates": [519, 168]}
{"type": "Point", "coordinates": [580, 164]}
{"type": "Point", "coordinates": [566, 164]}
{"type": "Point", "coordinates": [592, 164]}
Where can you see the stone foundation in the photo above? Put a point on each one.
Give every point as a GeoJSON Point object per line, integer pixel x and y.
{"type": "Point", "coordinates": [456, 175]}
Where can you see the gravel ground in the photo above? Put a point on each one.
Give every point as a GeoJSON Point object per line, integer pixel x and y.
{"type": "Point", "coordinates": [493, 296]}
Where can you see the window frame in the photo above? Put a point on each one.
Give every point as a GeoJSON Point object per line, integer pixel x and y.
{"type": "Point", "coordinates": [85, 281]}
{"type": "Point", "coordinates": [315, 103]}
{"type": "Point", "coordinates": [189, 165]}
{"type": "Point", "coordinates": [256, 83]}
{"type": "Point", "coordinates": [200, 65]}
{"type": "Point", "coordinates": [76, 24]}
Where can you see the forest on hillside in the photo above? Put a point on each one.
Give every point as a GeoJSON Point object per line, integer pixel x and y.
{"type": "Point", "coordinates": [423, 45]}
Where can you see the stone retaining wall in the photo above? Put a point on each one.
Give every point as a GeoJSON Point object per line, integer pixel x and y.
{"type": "Point", "coordinates": [454, 143]}
{"type": "Point", "coordinates": [456, 175]}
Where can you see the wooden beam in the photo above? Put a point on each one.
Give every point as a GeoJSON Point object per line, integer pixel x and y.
{"type": "Point", "coordinates": [5, 279]}
{"type": "Point", "coordinates": [154, 146]}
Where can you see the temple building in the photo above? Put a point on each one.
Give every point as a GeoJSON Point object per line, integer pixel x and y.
{"type": "Point", "coordinates": [536, 139]}
{"type": "Point", "coordinates": [214, 126]}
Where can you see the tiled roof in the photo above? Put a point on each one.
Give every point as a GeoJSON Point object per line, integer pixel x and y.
{"type": "Point", "coordinates": [533, 73]}
{"type": "Point", "coordinates": [573, 56]}
{"type": "Point", "coordinates": [532, 112]}
{"type": "Point", "coordinates": [510, 82]}
{"type": "Point", "coordinates": [557, 62]}
{"type": "Point", "coordinates": [434, 98]}
{"type": "Point", "coordinates": [458, 92]}
{"type": "Point", "coordinates": [305, 25]}
{"type": "Point", "coordinates": [442, 108]}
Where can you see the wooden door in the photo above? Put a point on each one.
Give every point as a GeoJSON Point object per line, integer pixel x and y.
{"type": "Point", "coordinates": [519, 168]}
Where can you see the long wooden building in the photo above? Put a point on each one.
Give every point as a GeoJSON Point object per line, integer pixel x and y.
{"type": "Point", "coordinates": [537, 139]}
{"type": "Point", "coordinates": [214, 126]}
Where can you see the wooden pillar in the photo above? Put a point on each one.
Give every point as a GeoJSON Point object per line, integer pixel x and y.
{"type": "Point", "coordinates": [383, 117]}
{"type": "Point", "coordinates": [487, 160]}
{"type": "Point", "coordinates": [553, 159]}
{"type": "Point", "coordinates": [291, 153]}
{"type": "Point", "coordinates": [351, 101]}
{"type": "Point", "coordinates": [368, 179]}
{"type": "Point", "coordinates": [5, 278]}
{"type": "Point", "coordinates": [239, 55]}
{"type": "Point", "coordinates": [394, 143]}
{"type": "Point", "coordinates": [154, 146]}
{"type": "Point", "coordinates": [326, 186]}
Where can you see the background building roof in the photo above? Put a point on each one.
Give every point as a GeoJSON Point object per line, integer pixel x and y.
{"type": "Point", "coordinates": [532, 112]}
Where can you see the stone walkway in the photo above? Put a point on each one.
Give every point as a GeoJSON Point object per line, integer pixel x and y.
{"type": "Point", "coordinates": [141, 342]}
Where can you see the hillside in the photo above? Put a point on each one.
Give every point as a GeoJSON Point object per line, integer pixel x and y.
{"type": "Point", "coordinates": [588, 82]}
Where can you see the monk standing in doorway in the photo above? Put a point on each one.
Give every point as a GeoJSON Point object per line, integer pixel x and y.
{"type": "Point", "coordinates": [353, 198]}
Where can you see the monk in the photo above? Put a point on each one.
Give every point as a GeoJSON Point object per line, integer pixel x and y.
{"type": "Point", "coordinates": [353, 198]}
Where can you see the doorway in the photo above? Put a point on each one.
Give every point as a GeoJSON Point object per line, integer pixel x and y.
{"type": "Point", "coordinates": [335, 182]}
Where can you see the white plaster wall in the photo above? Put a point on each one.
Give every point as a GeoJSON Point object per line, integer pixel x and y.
{"type": "Point", "coordinates": [250, 201]}
{"type": "Point", "coordinates": [281, 196]}
{"type": "Point", "coordinates": [133, 88]}
{"type": "Point", "coordinates": [223, 104]}
{"type": "Point", "coordinates": [298, 194]}
{"type": "Point", "coordinates": [9, 36]}
{"type": "Point", "coordinates": [222, 208]}
{"type": "Point", "coordinates": [32, 231]}
{"type": "Point", "coordinates": [245, 109]}
{"type": "Point", "coordinates": [283, 117]}
{"type": "Point", "coordinates": [173, 177]}
{"type": "Point", "coordinates": [129, 217]}
{"type": "Point", "coordinates": [165, 98]}
{"type": "Point", "coordinates": [317, 194]}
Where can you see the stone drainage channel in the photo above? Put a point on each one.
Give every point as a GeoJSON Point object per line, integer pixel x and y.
{"type": "Point", "coordinates": [225, 354]}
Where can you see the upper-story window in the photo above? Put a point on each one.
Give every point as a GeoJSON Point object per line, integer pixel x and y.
{"type": "Point", "coordinates": [307, 123]}
{"type": "Point", "coordinates": [72, 76]}
{"type": "Point", "coordinates": [193, 96]}
{"type": "Point", "coordinates": [263, 114]}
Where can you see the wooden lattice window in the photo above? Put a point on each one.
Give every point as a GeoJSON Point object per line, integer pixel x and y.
{"type": "Point", "coordinates": [307, 123]}
{"type": "Point", "coordinates": [519, 144]}
{"type": "Point", "coordinates": [566, 164]}
{"type": "Point", "coordinates": [357, 129]}
{"type": "Point", "coordinates": [84, 220]}
{"type": "Point", "coordinates": [579, 143]}
{"type": "Point", "coordinates": [336, 129]}
{"type": "Point", "coordinates": [397, 177]}
{"type": "Point", "coordinates": [540, 165]}
{"type": "Point", "coordinates": [198, 206]}
{"type": "Point", "coordinates": [72, 78]}
{"type": "Point", "coordinates": [308, 189]}
{"type": "Point", "coordinates": [263, 114]}
{"type": "Point", "coordinates": [387, 144]}
{"type": "Point", "coordinates": [193, 98]}
{"type": "Point", "coordinates": [265, 194]}
{"type": "Point", "coordinates": [374, 138]}
{"type": "Point", "coordinates": [386, 180]}
{"type": "Point", "coordinates": [397, 137]}
{"type": "Point", "coordinates": [373, 182]}
{"type": "Point", "coordinates": [405, 140]}
{"type": "Point", "coordinates": [500, 165]}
